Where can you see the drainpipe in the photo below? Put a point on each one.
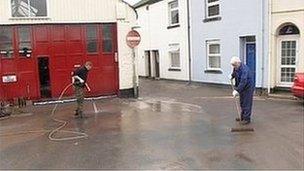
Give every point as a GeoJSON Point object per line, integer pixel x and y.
{"type": "Point", "coordinates": [263, 44]}
{"type": "Point", "coordinates": [189, 39]}
{"type": "Point", "coordinates": [269, 44]}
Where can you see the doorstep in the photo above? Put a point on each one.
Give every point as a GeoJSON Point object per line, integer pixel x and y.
{"type": "Point", "coordinates": [282, 95]}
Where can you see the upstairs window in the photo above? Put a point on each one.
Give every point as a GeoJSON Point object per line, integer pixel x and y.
{"type": "Point", "coordinates": [173, 13]}
{"type": "Point", "coordinates": [107, 38]}
{"type": "Point", "coordinates": [92, 39]}
{"type": "Point", "coordinates": [212, 8]}
{"type": "Point", "coordinates": [29, 8]}
{"type": "Point", "coordinates": [6, 42]}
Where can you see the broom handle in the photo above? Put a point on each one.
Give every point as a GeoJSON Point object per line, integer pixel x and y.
{"type": "Point", "coordinates": [235, 99]}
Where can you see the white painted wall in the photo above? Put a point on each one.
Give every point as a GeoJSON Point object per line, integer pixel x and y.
{"type": "Point", "coordinates": [291, 11]}
{"type": "Point", "coordinates": [87, 11]}
{"type": "Point", "coordinates": [155, 36]}
{"type": "Point", "coordinates": [240, 18]}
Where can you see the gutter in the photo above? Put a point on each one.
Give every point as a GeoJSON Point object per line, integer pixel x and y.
{"type": "Point", "coordinates": [269, 44]}
{"type": "Point", "coordinates": [139, 4]}
{"type": "Point", "coordinates": [189, 40]}
{"type": "Point", "coordinates": [134, 9]}
{"type": "Point", "coordinates": [263, 43]}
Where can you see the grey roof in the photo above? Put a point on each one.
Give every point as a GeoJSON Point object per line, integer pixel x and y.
{"type": "Point", "coordinates": [145, 2]}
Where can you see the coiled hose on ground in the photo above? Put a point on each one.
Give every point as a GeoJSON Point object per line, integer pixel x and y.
{"type": "Point", "coordinates": [79, 135]}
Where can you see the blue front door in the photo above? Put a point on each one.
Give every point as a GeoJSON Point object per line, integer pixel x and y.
{"type": "Point", "coordinates": [251, 57]}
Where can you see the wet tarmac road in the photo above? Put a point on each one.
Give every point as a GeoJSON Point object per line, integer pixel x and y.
{"type": "Point", "coordinates": [171, 126]}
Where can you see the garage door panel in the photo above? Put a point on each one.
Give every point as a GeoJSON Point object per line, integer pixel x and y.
{"type": "Point", "coordinates": [95, 82]}
{"type": "Point", "coordinates": [28, 84]}
{"type": "Point", "coordinates": [42, 49]}
{"type": "Point", "coordinates": [2, 97]}
{"type": "Point", "coordinates": [9, 66]}
{"type": "Point", "coordinates": [11, 90]}
{"type": "Point", "coordinates": [74, 33]}
{"type": "Point", "coordinates": [108, 59]}
{"type": "Point", "coordinates": [41, 34]}
{"type": "Point", "coordinates": [74, 60]}
{"type": "Point", "coordinates": [58, 33]}
{"type": "Point", "coordinates": [62, 79]}
{"type": "Point", "coordinates": [75, 47]}
{"type": "Point", "coordinates": [26, 65]}
{"type": "Point", "coordinates": [59, 62]}
{"type": "Point", "coordinates": [109, 81]}
{"type": "Point", "coordinates": [59, 48]}
{"type": "Point", "coordinates": [95, 61]}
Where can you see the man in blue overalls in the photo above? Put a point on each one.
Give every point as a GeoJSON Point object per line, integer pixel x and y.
{"type": "Point", "coordinates": [244, 87]}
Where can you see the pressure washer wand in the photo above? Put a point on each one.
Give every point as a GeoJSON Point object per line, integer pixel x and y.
{"type": "Point", "coordinates": [93, 102]}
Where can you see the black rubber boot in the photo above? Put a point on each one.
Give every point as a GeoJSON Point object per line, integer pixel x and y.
{"type": "Point", "coordinates": [245, 122]}
{"type": "Point", "coordinates": [238, 119]}
{"type": "Point", "coordinates": [76, 113]}
{"type": "Point", "coordinates": [80, 114]}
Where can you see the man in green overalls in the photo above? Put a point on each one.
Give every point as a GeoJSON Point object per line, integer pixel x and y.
{"type": "Point", "coordinates": [79, 80]}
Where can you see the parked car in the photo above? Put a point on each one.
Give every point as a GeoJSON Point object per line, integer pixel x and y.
{"type": "Point", "coordinates": [298, 85]}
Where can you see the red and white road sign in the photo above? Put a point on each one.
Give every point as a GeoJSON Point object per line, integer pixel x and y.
{"type": "Point", "coordinates": [133, 39]}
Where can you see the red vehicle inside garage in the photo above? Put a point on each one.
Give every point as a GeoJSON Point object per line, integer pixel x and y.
{"type": "Point", "coordinates": [37, 60]}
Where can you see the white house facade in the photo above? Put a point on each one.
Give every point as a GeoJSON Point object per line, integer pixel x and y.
{"type": "Point", "coordinates": [42, 42]}
{"type": "Point", "coordinates": [163, 51]}
{"type": "Point", "coordinates": [286, 42]}
{"type": "Point", "coordinates": [221, 29]}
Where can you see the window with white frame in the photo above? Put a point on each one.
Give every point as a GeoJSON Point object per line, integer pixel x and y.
{"type": "Point", "coordinates": [213, 55]}
{"type": "Point", "coordinates": [174, 54]}
{"type": "Point", "coordinates": [29, 8]}
{"type": "Point", "coordinates": [173, 13]}
{"type": "Point", "coordinates": [212, 8]}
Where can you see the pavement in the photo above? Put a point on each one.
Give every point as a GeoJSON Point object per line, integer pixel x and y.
{"type": "Point", "coordinates": [171, 126]}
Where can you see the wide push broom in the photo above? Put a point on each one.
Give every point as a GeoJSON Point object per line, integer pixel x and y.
{"type": "Point", "coordinates": [241, 128]}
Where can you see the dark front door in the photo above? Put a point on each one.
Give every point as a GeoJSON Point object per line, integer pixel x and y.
{"type": "Point", "coordinates": [251, 58]}
{"type": "Point", "coordinates": [44, 77]}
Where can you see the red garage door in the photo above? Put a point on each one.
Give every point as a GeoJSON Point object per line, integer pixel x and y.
{"type": "Point", "coordinates": [45, 55]}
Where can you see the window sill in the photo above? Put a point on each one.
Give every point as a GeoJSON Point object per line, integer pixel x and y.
{"type": "Point", "coordinates": [173, 26]}
{"type": "Point", "coordinates": [212, 19]}
{"type": "Point", "coordinates": [30, 18]}
{"type": "Point", "coordinates": [209, 71]}
{"type": "Point", "coordinates": [107, 53]}
{"type": "Point", "coordinates": [7, 58]}
{"type": "Point", "coordinates": [174, 69]}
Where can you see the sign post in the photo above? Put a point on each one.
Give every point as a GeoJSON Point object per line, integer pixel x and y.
{"type": "Point", "coordinates": [133, 39]}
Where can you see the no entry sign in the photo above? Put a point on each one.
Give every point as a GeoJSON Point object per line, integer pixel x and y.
{"type": "Point", "coordinates": [133, 39]}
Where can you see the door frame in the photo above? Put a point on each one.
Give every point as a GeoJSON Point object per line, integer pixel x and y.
{"type": "Point", "coordinates": [278, 58]}
{"type": "Point", "coordinates": [255, 60]}
{"type": "Point", "coordinates": [148, 63]}
{"type": "Point", "coordinates": [156, 64]}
